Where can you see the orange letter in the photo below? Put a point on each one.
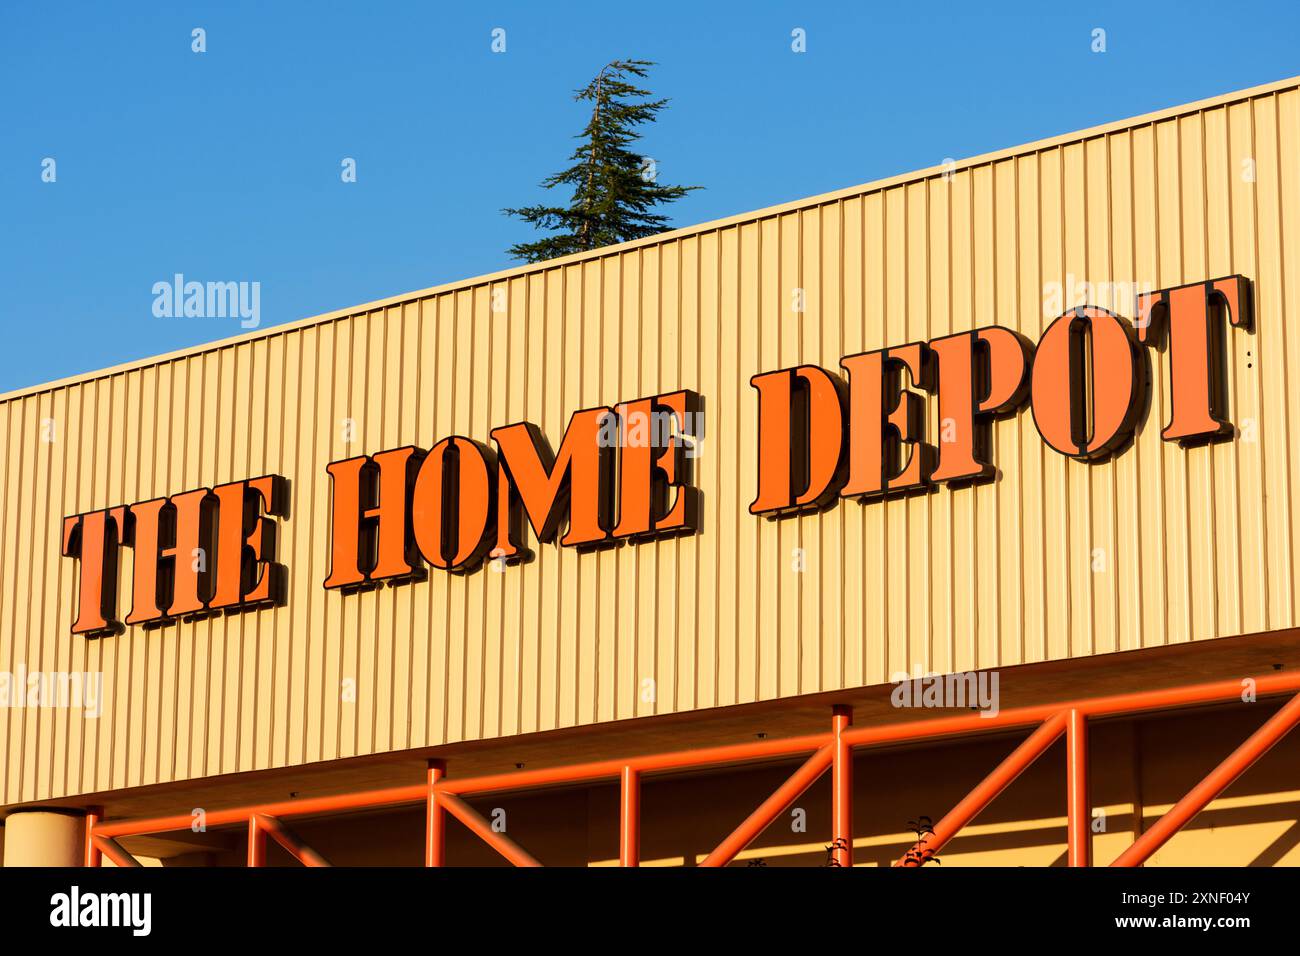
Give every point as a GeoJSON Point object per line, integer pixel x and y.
{"type": "Point", "coordinates": [95, 538]}
{"type": "Point", "coordinates": [371, 530]}
{"type": "Point", "coordinates": [146, 522]}
{"type": "Point", "coordinates": [982, 374]}
{"type": "Point", "coordinates": [800, 438]}
{"type": "Point", "coordinates": [877, 463]}
{"type": "Point", "coordinates": [577, 480]}
{"type": "Point", "coordinates": [652, 460]}
{"type": "Point", "coordinates": [193, 512]}
{"type": "Point", "coordinates": [246, 573]}
{"type": "Point", "coordinates": [1196, 373]}
{"type": "Point", "coordinates": [1085, 391]}
{"type": "Point", "coordinates": [451, 509]}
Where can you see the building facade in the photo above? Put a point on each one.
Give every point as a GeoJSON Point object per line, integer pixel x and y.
{"type": "Point", "coordinates": [792, 538]}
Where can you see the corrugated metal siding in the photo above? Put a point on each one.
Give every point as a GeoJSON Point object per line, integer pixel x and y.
{"type": "Point", "coordinates": [1187, 544]}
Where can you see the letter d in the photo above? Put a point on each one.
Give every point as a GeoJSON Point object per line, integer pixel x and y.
{"type": "Point", "coordinates": [800, 438]}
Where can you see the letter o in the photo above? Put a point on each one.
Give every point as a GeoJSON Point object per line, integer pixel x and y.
{"type": "Point", "coordinates": [453, 535]}
{"type": "Point", "coordinates": [1087, 361]}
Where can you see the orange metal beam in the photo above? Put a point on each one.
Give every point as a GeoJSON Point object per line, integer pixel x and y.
{"type": "Point", "coordinates": [629, 818]}
{"type": "Point", "coordinates": [842, 790]}
{"type": "Point", "coordinates": [435, 821]}
{"type": "Point", "coordinates": [758, 821]}
{"type": "Point", "coordinates": [1218, 780]}
{"type": "Point", "coordinates": [647, 763]}
{"type": "Point", "coordinates": [92, 854]}
{"type": "Point", "coordinates": [984, 794]}
{"type": "Point", "coordinates": [1092, 707]}
{"type": "Point", "coordinates": [281, 834]}
{"type": "Point", "coordinates": [366, 799]}
{"type": "Point", "coordinates": [114, 850]}
{"type": "Point", "coordinates": [467, 815]}
{"type": "Point", "coordinates": [522, 780]}
{"type": "Point", "coordinates": [256, 843]}
{"type": "Point", "coordinates": [1078, 809]}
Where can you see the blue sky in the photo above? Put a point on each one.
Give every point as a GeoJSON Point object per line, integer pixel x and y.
{"type": "Point", "coordinates": [225, 165]}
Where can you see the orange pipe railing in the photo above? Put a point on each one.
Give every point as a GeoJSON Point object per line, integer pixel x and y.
{"type": "Point", "coordinates": [1078, 835]}
{"type": "Point", "coordinates": [467, 815]}
{"type": "Point", "coordinates": [281, 834]}
{"type": "Point", "coordinates": [1219, 779]}
{"type": "Point", "coordinates": [367, 799]}
{"type": "Point", "coordinates": [979, 798]}
{"type": "Point", "coordinates": [758, 821]}
{"type": "Point", "coordinates": [93, 853]}
{"type": "Point", "coordinates": [650, 763]}
{"type": "Point", "coordinates": [629, 818]}
{"type": "Point", "coordinates": [435, 821]}
{"type": "Point", "coordinates": [440, 794]}
{"type": "Point", "coordinates": [107, 846]}
{"type": "Point", "coordinates": [842, 789]}
{"type": "Point", "coordinates": [256, 843]}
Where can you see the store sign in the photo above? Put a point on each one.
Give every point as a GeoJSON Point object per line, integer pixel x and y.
{"type": "Point", "coordinates": [623, 473]}
{"type": "Point", "coordinates": [821, 437]}
{"type": "Point", "coordinates": [201, 552]}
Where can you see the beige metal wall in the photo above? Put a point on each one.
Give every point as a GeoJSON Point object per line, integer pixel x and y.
{"type": "Point", "coordinates": [1055, 559]}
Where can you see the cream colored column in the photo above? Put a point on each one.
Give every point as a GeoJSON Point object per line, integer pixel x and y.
{"type": "Point", "coordinates": [44, 838]}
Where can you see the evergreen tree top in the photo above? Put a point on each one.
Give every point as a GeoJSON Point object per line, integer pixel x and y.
{"type": "Point", "coordinates": [614, 189]}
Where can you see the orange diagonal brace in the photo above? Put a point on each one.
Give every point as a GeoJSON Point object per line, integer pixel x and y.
{"type": "Point", "coordinates": [768, 810]}
{"type": "Point", "coordinates": [113, 850]}
{"type": "Point", "coordinates": [986, 792]}
{"type": "Point", "coordinates": [467, 815]}
{"type": "Point", "coordinates": [281, 834]}
{"type": "Point", "coordinates": [1219, 779]}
